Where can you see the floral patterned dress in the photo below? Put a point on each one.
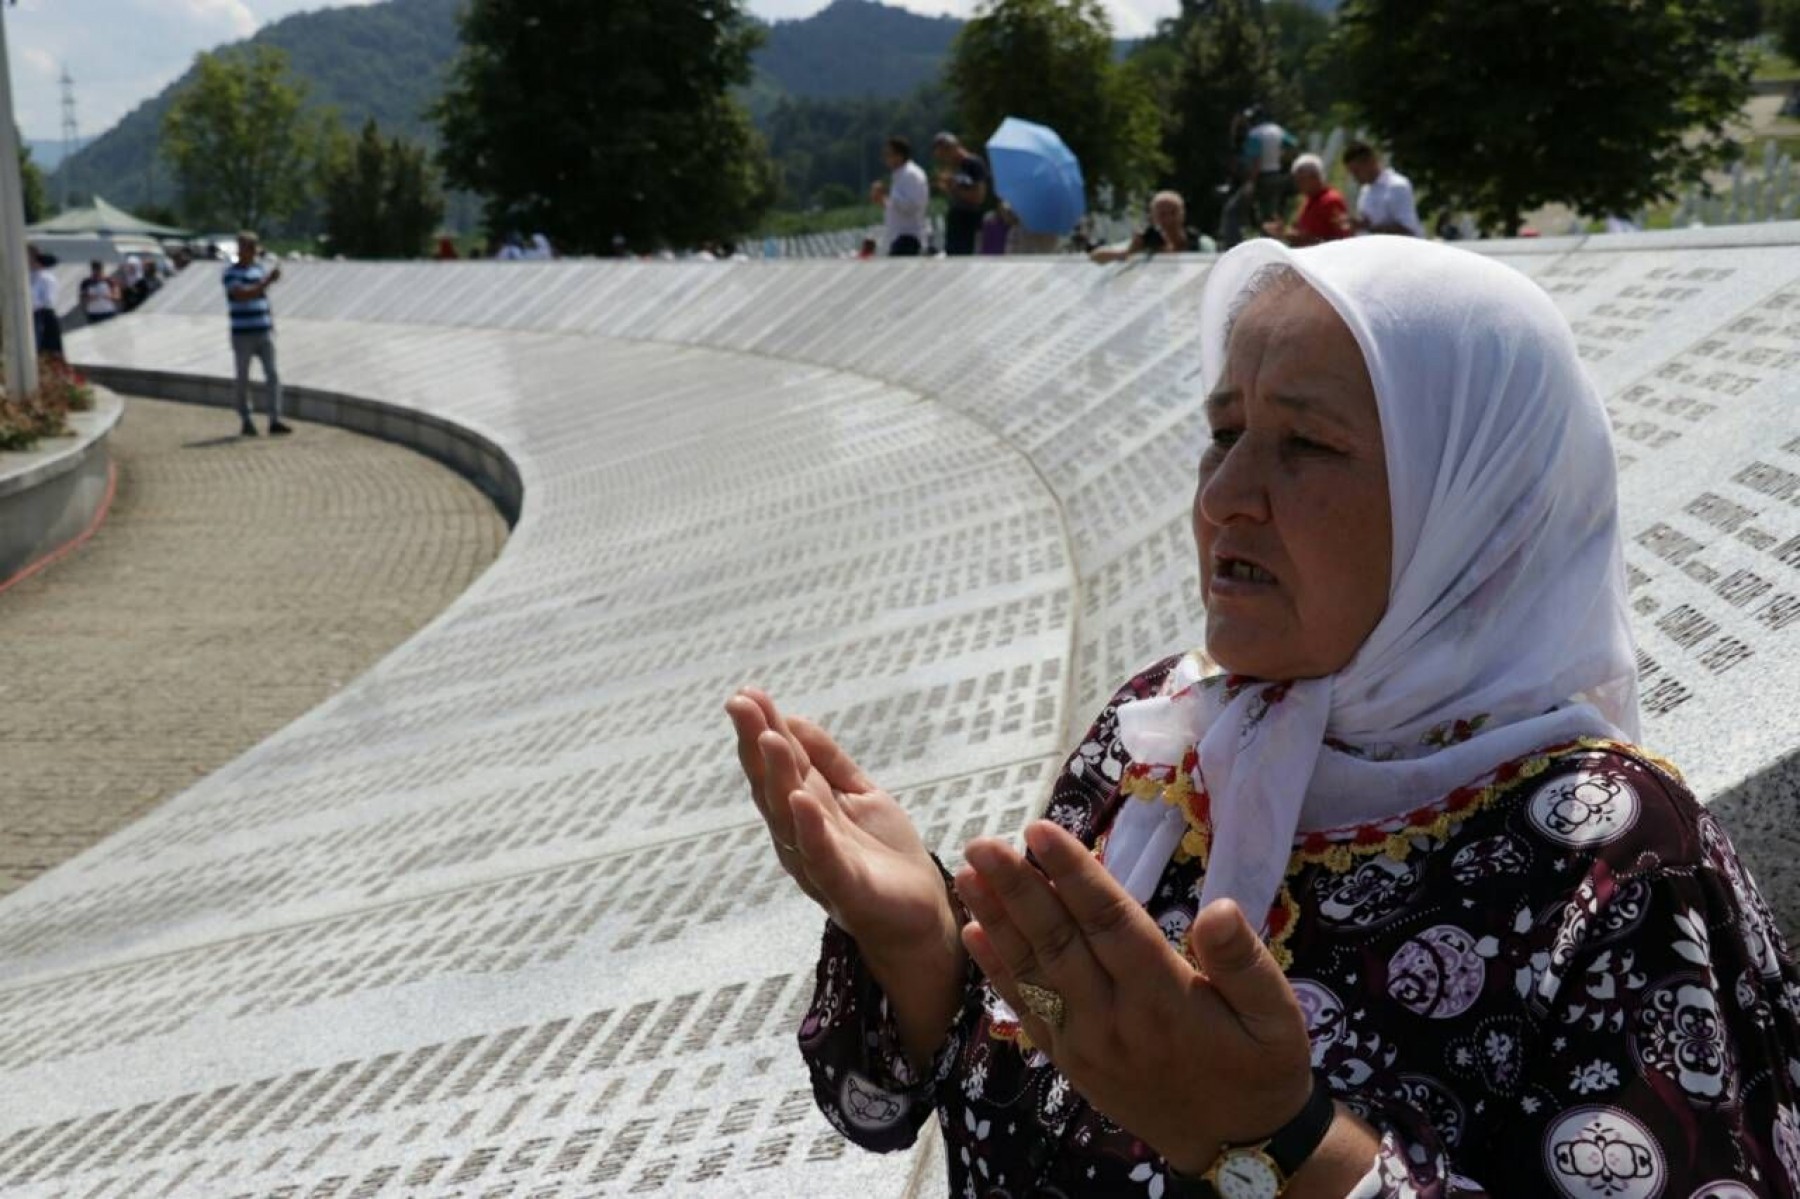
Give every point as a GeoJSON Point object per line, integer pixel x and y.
{"type": "Point", "coordinates": [1558, 981]}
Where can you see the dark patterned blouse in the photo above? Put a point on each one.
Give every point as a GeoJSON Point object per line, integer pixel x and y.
{"type": "Point", "coordinates": [1558, 981]}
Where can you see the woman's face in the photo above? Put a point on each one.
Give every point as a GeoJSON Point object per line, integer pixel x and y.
{"type": "Point", "coordinates": [1291, 514]}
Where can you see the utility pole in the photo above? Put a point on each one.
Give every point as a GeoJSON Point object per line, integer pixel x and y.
{"type": "Point", "coordinates": [70, 138]}
{"type": "Point", "coordinates": [17, 337]}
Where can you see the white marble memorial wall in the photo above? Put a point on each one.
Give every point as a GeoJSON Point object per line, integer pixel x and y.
{"type": "Point", "coordinates": [499, 920]}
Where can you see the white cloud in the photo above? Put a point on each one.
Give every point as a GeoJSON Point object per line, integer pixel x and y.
{"type": "Point", "coordinates": [234, 16]}
{"type": "Point", "coordinates": [41, 61]}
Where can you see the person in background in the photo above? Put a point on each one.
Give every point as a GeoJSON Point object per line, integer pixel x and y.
{"type": "Point", "coordinates": [540, 249]}
{"type": "Point", "coordinates": [1265, 154]}
{"type": "Point", "coordinates": [963, 177]}
{"type": "Point", "coordinates": [1323, 214]}
{"type": "Point", "coordinates": [247, 282]}
{"type": "Point", "coordinates": [1167, 232]}
{"type": "Point", "coordinates": [904, 199]}
{"type": "Point", "coordinates": [1023, 239]}
{"type": "Point", "coordinates": [1385, 204]}
{"type": "Point", "coordinates": [512, 249]}
{"type": "Point", "coordinates": [446, 248]}
{"type": "Point", "coordinates": [148, 284]}
{"type": "Point", "coordinates": [996, 230]}
{"type": "Point", "coordinates": [867, 250]}
{"type": "Point", "coordinates": [99, 294]}
{"type": "Point", "coordinates": [127, 277]}
{"type": "Point", "coordinates": [44, 320]}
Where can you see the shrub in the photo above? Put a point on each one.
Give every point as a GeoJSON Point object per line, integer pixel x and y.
{"type": "Point", "coordinates": [61, 390]}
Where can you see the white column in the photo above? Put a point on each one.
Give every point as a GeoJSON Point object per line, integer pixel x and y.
{"type": "Point", "coordinates": [20, 341]}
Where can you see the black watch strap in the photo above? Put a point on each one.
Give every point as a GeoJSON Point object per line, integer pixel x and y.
{"type": "Point", "coordinates": [1288, 1147]}
{"type": "Point", "coordinates": [1296, 1140]}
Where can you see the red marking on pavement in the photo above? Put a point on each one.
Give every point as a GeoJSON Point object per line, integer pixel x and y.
{"type": "Point", "coordinates": [80, 539]}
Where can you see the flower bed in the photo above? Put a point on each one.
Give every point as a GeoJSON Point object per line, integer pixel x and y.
{"type": "Point", "coordinates": [61, 390]}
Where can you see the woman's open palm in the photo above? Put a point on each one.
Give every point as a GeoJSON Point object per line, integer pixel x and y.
{"type": "Point", "coordinates": [845, 841]}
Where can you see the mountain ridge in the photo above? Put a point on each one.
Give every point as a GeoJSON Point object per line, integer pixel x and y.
{"type": "Point", "coordinates": [384, 60]}
{"type": "Point", "coordinates": [389, 60]}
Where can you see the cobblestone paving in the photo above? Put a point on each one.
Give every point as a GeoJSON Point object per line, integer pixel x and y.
{"type": "Point", "coordinates": [235, 585]}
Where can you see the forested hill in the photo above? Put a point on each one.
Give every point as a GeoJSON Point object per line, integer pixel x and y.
{"type": "Point", "coordinates": [385, 61]}
{"type": "Point", "coordinates": [856, 48]}
{"type": "Point", "coordinates": [388, 60]}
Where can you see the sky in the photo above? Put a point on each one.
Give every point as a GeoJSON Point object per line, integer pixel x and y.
{"type": "Point", "coordinates": [122, 52]}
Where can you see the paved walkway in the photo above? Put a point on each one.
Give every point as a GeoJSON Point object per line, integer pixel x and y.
{"type": "Point", "coordinates": [235, 585]}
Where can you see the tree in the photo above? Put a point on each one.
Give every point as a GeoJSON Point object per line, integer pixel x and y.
{"type": "Point", "coordinates": [159, 214]}
{"type": "Point", "coordinates": [381, 198]}
{"type": "Point", "coordinates": [1225, 63]}
{"type": "Point", "coordinates": [588, 121]}
{"type": "Point", "coordinates": [241, 141]}
{"type": "Point", "coordinates": [1300, 36]}
{"type": "Point", "coordinates": [31, 182]}
{"type": "Point", "coordinates": [1051, 61]}
{"type": "Point", "coordinates": [414, 204]}
{"type": "Point", "coordinates": [1496, 109]}
{"type": "Point", "coordinates": [1782, 19]}
{"type": "Point", "coordinates": [817, 143]}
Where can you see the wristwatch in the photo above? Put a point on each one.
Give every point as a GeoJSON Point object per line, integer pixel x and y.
{"type": "Point", "coordinates": [1262, 1169]}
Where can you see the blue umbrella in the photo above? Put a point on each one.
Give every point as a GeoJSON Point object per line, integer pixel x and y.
{"type": "Point", "coordinates": [1037, 176]}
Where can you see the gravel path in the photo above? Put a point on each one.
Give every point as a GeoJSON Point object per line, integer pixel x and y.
{"type": "Point", "coordinates": [235, 585]}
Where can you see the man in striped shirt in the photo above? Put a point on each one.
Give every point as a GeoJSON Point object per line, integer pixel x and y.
{"type": "Point", "coordinates": [247, 284]}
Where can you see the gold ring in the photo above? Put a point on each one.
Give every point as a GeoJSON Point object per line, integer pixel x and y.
{"type": "Point", "coordinates": [1044, 1003]}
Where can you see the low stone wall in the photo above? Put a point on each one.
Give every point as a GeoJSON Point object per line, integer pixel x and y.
{"type": "Point", "coordinates": [50, 495]}
{"type": "Point", "coordinates": [463, 450]}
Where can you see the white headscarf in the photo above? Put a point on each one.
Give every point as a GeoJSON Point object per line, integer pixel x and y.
{"type": "Point", "coordinates": [1507, 595]}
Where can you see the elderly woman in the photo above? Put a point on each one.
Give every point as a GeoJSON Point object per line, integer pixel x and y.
{"type": "Point", "coordinates": [1394, 907]}
{"type": "Point", "coordinates": [1167, 233]}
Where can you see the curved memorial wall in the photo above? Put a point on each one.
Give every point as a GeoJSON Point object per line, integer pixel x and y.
{"type": "Point", "coordinates": [499, 919]}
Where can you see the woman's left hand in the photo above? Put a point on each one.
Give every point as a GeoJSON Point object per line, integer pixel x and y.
{"type": "Point", "coordinates": [1188, 1060]}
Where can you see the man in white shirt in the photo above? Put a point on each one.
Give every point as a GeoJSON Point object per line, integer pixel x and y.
{"type": "Point", "coordinates": [45, 322]}
{"type": "Point", "coordinates": [1385, 204]}
{"type": "Point", "coordinates": [905, 199]}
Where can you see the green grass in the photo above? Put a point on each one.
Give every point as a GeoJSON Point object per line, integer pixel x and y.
{"type": "Point", "coordinates": [1773, 66]}
{"type": "Point", "coordinates": [1785, 143]}
{"type": "Point", "coordinates": [828, 220]}
{"type": "Point", "coordinates": [785, 223]}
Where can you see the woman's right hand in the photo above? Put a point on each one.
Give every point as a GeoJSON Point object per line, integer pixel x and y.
{"type": "Point", "coordinates": [846, 842]}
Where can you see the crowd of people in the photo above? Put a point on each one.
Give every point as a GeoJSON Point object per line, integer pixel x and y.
{"type": "Point", "coordinates": [1273, 193]}
{"type": "Point", "coordinates": [104, 294]}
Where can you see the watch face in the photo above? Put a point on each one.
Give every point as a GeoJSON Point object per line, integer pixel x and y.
{"type": "Point", "coordinates": [1246, 1175]}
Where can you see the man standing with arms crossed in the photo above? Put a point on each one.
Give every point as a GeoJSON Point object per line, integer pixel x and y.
{"type": "Point", "coordinates": [247, 283]}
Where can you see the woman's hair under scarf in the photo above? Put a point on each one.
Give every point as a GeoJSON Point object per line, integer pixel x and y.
{"type": "Point", "coordinates": [1506, 604]}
